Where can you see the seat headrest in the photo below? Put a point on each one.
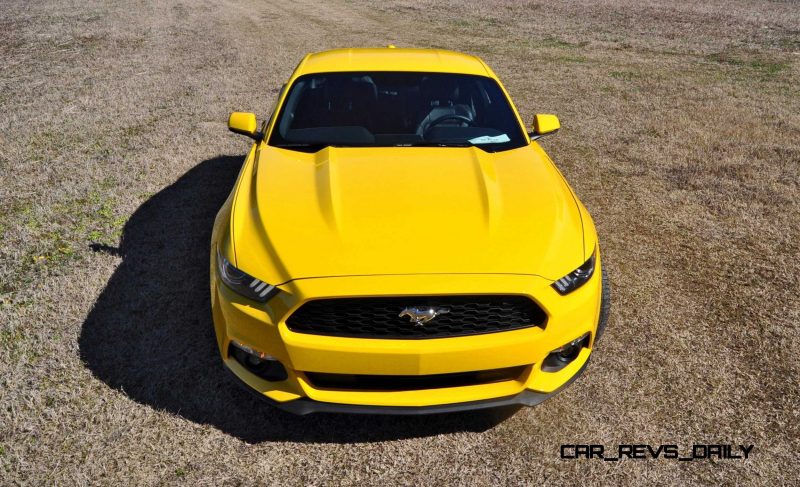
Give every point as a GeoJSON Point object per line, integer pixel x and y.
{"type": "Point", "coordinates": [439, 91]}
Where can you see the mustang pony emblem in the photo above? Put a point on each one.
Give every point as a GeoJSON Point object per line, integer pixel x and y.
{"type": "Point", "coordinates": [421, 315]}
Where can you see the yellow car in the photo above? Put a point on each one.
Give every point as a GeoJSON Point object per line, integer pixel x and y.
{"type": "Point", "coordinates": [398, 243]}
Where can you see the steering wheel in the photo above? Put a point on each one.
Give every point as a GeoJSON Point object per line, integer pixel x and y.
{"type": "Point", "coordinates": [443, 118]}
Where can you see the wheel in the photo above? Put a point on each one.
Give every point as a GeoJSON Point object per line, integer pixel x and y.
{"type": "Point", "coordinates": [605, 305]}
{"type": "Point", "coordinates": [452, 116]}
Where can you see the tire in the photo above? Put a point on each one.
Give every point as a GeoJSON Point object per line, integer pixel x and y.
{"type": "Point", "coordinates": [605, 306]}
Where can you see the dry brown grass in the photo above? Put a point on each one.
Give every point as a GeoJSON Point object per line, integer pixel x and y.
{"type": "Point", "coordinates": [681, 135]}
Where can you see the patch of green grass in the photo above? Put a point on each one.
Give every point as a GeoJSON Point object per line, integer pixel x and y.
{"type": "Point", "coordinates": [475, 23]}
{"type": "Point", "coordinates": [769, 67]}
{"type": "Point", "coordinates": [764, 67]}
{"type": "Point", "coordinates": [54, 249]}
{"type": "Point", "coordinates": [671, 52]}
{"type": "Point", "coordinates": [108, 183]}
{"type": "Point", "coordinates": [29, 219]}
{"type": "Point", "coordinates": [43, 144]}
{"type": "Point", "coordinates": [12, 341]}
{"type": "Point", "coordinates": [105, 225]}
{"type": "Point", "coordinates": [789, 43]}
{"type": "Point", "coordinates": [723, 58]}
{"type": "Point", "coordinates": [106, 211]}
{"type": "Point", "coordinates": [625, 75]}
{"type": "Point", "coordinates": [51, 234]}
{"type": "Point", "coordinates": [133, 130]}
{"type": "Point", "coordinates": [59, 233]}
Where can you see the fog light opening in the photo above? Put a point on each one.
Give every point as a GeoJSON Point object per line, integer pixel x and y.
{"type": "Point", "coordinates": [253, 360]}
{"type": "Point", "coordinates": [564, 355]}
{"type": "Point", "coordinates": [569, 352]}
{"type": "Point", "coordinates": [265, 366]}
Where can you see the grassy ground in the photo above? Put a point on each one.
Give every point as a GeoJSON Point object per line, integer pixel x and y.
{"type": "Point", "coordinates": [681, 134]}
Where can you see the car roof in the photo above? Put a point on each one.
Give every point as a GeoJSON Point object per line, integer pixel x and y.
{"type": "Point", "coordinates": [392, 59]}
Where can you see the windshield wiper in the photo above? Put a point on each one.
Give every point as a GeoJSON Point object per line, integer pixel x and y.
{"type": "Point", "coordinates": [316, 147]}
{"type": "Point", "coordinates": [436, 144]}
{"type": "Point", "coordinates": [300, 144]}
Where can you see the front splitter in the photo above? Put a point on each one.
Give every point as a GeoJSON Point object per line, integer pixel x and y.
{"type": "Point", "coordinates": [304, 406]}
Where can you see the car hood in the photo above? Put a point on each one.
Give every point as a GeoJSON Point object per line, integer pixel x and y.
{"type": "Point", "coordinates": [426, 210]}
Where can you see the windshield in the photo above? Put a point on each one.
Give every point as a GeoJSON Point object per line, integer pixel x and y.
{"type": "Point", "coordinates": [396, 109]}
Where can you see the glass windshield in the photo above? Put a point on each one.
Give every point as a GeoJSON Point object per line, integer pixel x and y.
{"type": "Point", "coordinates": [396, 109]}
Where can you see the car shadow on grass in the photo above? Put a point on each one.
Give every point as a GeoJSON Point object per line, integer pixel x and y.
{"type": "Point", "coordinates": [150, 334]}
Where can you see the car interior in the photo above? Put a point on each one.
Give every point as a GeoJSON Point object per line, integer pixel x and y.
{"type": "Point", "coordinates": [394, 108]}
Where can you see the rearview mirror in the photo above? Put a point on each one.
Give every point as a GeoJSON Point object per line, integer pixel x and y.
{"type": "Point", "coordinates": [244, 123]}
{"type": "Point", "coordinates": [544, 124]}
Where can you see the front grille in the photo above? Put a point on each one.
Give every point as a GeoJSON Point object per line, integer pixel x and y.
{"type": "Point", "coordinates": [411, 382]}
{"type": "Point", "coordinates": [380, 317]}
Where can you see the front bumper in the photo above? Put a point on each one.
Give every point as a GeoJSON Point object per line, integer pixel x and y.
{"type": "Point", "coordinates": [262, 327]}
{"type": "Point", "coordinates": [304, 406]}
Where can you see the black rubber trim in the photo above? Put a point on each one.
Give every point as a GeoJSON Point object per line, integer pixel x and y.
{"type": "Point", "coordinates": [306, 406]}
{"type": "Point", "coordinates": [605, 305]}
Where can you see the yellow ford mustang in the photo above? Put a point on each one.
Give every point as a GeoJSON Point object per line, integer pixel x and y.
{"type": "Point", "coordinates": [396, 242]}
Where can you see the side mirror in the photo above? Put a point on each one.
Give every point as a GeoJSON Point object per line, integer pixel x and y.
{"type": "Point", "coordinates": [544, 124]}
{"type": "Point", "coordinates": [244, 123]}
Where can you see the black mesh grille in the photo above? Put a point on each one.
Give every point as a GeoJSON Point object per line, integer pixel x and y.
{"type": "Point", "coordinates": [379, 317]}
{"type": "Point", "coordinates": [411, 382]}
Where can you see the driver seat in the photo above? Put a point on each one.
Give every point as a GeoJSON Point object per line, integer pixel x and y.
{"type": "Point", "coordinates": [440, 96]}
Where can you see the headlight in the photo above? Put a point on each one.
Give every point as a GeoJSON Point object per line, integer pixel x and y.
{"type": "Point", "coordinates": [576, 278]}
{"type": "Point", "coordinates": [243, 283]}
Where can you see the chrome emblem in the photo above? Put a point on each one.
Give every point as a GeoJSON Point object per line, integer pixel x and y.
{"type": "Point", "coordinates": [420, 315]}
